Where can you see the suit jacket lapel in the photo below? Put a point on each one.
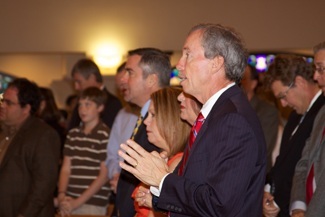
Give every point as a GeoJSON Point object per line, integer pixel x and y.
{"type": "Point", "coordinates": [289, 144]}
{"type": "Point", "coordinates": [213, 113]}
{"type": "Point", "coordinates": [319, 150]}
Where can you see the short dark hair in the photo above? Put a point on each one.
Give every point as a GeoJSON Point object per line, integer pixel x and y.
{"type": "Point", "coordinates": [70, 99]}
{"type": "Point", "coordinates": [94, 94]}
{"type": "Point", "coordinates": [218, 40]}
{"type": "Point", "coordinates": [254, 73]}
{"type": "Point", "coordinates": [154, 61]}
{"type": "Point", "coordinates": [28, 93]}
{"type": "Point", "coordinates": [121, 68]}
{"type": "Point", "coordinates": [286, 67]}
{"type": "Point", "coordinates": [50, 111]}
{"type": "Point", "coordinates": [87, 67]}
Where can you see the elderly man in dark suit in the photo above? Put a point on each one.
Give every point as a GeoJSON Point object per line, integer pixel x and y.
{"type": "Point", "coordinates": [29, 154]}
{"type": "Point", "coordinates": [222, 172]}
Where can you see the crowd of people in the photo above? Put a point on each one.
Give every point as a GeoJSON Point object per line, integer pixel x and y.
{"type": "Point", "coordinates": [204, 148]}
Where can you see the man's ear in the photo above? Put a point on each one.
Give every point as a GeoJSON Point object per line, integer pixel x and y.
{"type": "Point", "coordinates": [217, 63]}
{"type": "Point", "coordinates": [100, 108]}
{"type": "Point", "coordinates": [26, 109]}
{"type": "Point", "coordinates": [152, 80]}
{"type": "Point", "coordinates": [300, 81]}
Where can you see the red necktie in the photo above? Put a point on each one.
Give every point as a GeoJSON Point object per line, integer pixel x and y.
{"type": "Point", "coordinates": [310, 178]}
{"type": "Point", "coordinates": [194, 131]}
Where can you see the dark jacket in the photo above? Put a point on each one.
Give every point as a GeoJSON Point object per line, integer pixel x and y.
{"type": "Point", "coordinates": [29, 171]}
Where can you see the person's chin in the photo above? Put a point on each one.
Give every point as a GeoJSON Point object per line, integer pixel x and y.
{"type": "Point", "coordinates": [127, 98]}
{"type": "Point", "coordinates": [183, 82]}
{"type": "Point", "coordinates": [150, 139]}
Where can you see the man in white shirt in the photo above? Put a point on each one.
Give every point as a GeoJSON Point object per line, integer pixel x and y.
{"type": "Point", "coordinates": [224, 173]}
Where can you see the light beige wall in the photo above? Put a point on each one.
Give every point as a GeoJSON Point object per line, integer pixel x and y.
{"type": "Point", "coordinates": [46, 30]}
{"type": "Point", "coordinates": [81, 25]}
{"type": "Point", "coordinates": [46, 69]}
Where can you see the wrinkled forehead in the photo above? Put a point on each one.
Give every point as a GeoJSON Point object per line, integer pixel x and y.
{"type": "Point", "coordinates": [320, 57]}
{"type": "Point", "coordinates": [11, 92]}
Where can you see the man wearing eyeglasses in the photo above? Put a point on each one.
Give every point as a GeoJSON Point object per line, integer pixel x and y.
{"type": "Point", "coordinates": [291, 81]}
{"type": "Point", "coordinates": [29, 154]}
{"type": "Point", "coordinates": [308, 188]}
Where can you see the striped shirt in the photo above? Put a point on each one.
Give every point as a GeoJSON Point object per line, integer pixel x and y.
{"type": "Point", "coordinates": [86, 153]}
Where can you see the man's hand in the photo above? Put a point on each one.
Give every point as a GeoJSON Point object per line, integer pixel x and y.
{"type": "Point", "coordinates": [64, 207]}
{"type": "Point", "coordinates": [269, 207]}
{"type": "Point", "coordinates": [298, 213]}
{"type": "Point", "coordinates": [149, 168]}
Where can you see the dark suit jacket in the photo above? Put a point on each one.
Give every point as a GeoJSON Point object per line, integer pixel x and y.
{"type": "Point", "coordinates": [112, 107]}
{"type": "Point", "coordinates": [269, 118]}
{"type": "Point", "coordinates": [281, 174]}
{"type": "Point", "coordinates": [225, 171]}
{"type": "Point", "coordinates": [29, 171]}
{"type": "Point", "coordinates": [313, 154]}
{"type": "Point", "coordinates": [127, 182]}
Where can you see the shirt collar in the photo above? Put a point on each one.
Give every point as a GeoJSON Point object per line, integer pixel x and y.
{"type": "Point", "coordinates": [145, 108]}
{"type": "Point", "coordinates": [212, 100]}
{"type": "Point", "coordinates": [314, 99]}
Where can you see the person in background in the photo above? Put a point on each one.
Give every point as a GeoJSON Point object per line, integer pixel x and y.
{"type": "Point", "coordinates": [49, 112]}
{"type": "Point", "coordinates": [190, 107]}
{"type": "Point", "coordinates": [147, 70]}
{"type": "Point", "coordinates": [266, 112]}
{"type": "Point", "coordinates": [308, 189]}
{"type": "Point", "coordinates": [121, 131]}
{"type": "Point", "coordinates": [163, 111]}
{"type": "Point", "coordinates": [70, 104]}
{"type": "Point", "coordinates": [85, 73]}
{"type": "Point", "coordinates": [83, 184]}
{"type": "Point", "coordinates": [29, 156]}
{"type": "Point", "coordinates": [189, 110]}
{"type": "Point", "coordinates": [222, 172]}
{"type": "Point", "coordinates": [291, 80]}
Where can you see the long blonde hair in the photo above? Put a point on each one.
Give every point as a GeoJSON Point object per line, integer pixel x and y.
{"type": "Point", "coordinates": [167, 110]}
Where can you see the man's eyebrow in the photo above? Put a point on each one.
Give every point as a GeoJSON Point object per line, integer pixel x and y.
{"type": "Point", "coordinates": [128, 69]}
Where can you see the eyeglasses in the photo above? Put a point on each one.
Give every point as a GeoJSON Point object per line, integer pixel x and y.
{"type": "Point", "coordinates": [319, 69]}
{"type": "Point", "coordinates": [8, 102]}
{"type": "Point", "coordinates": [284, 94]}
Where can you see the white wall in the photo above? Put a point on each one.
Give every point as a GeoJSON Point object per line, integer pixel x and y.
{"type": "Point", "coordinates": [78, 25]}
{"type": "Point", "coordinates": [38, 37]}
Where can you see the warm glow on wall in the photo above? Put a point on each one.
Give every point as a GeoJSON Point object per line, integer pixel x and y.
{"type": "Point", "coordinates": [107, 56]}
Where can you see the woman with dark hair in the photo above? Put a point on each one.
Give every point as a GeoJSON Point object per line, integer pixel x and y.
{"type": "Point", "coordinates": [49, 112]}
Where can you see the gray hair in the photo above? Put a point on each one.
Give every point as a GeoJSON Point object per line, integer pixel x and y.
{"type": "Point", "coordinates": [154, 61]}
{"type": "Point", "coordinates": [318, 47]}
{"type": "Point", "coordinates": [87, 67]}
{"type": "Point", "coordinates": [218, 40]}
